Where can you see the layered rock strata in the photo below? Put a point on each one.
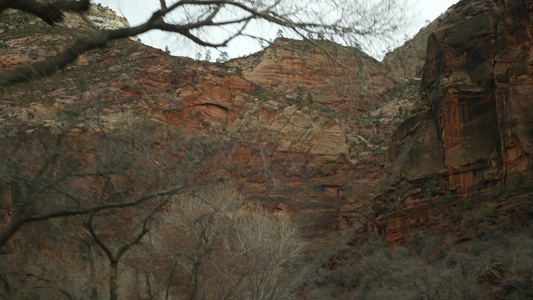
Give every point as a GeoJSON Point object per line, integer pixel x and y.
{"type": "Point", "coordinates": [342, 78]}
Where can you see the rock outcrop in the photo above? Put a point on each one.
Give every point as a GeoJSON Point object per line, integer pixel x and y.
{"type": "Point", "coordinates": [98, 16]}
{"type": "Point", "coordinates": [408, 60]}
{"type": "Point", "coordinates": [473, 133]}
{"type": "Point", "coordinates": [318, 166]}
{"type": "Point", "coordinates": [342, 78]}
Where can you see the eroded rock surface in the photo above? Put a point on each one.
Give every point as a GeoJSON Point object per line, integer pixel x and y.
{"type": "Point", "coordinates": [300, 133]}
{"type": "Point", "coordinates": [346, 83]}
{"type": "Point", "coordinates": [475, 132]}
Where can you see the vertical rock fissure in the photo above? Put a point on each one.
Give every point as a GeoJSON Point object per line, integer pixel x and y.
{"type": "Point", "coordinates": [495, 95]}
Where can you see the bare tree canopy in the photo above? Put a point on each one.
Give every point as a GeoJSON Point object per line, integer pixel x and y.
{"type": "Point", "coordinates": [339, 20]}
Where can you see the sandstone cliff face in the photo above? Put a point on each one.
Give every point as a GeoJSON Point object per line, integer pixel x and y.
{"type": "Point", "coordinates": [296, 68]}
{"type": "Point", "coordinates": [475, 131]}
{"type": "Point", "coordinates": [300, 133]}
{"type": "Point", "coordinates": [476, 80]}
{"type": "Point", "coordinates": [19, 28]}
{"type": "Point", "coordinates": [512, 73]}
{"type": "Point", "coordinates": [97, 16]}
{"type": "Point", "coordinates": [408, 60]}
{"type": "Point", "coordinates": [320, 167]}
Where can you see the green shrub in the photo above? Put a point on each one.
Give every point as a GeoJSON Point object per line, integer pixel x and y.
{"type": "Point", "coordinates": [467, 203]}
{"type": "Point", "coordinates": [238, 71]}
{"type": "Point", "coordinates": [488, 215]}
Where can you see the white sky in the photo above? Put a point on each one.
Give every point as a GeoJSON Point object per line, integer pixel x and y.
{"type": "Point", "coordinates": [139, 11]}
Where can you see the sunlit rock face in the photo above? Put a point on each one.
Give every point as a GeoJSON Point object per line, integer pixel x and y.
{"type": "Point", "coordinates": [319, 168]}
{"type": "Point", "coordinates": [476, 129]}
{"type": "Point", "coordinates": [97, 16]}
{"type": "Point", "coordinates": [408, 60]}
{"type": "Point", "coordinates": [302, 143]}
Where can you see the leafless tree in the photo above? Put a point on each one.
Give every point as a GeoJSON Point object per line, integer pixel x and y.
{"type": "Point", "coordinates": [210, 245]}
{"type": "Point", "coordinates": [52, 175]}
{"type": "Point", "coordinates": [115, 255]}
{"type": "Point", "coordinates": [39, 164]}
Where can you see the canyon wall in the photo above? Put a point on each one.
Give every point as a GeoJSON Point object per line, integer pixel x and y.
{"type": "Point", "coordinates": [305, 135]}
{"type": "Point", "coordinates": [473, 132]}
{"type": "Point", "coordinates": [342, 78]}
{"type": "Point", "coordinates": [301, 133]}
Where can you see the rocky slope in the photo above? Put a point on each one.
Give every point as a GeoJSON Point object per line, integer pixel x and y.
{"type": "Point", "coordinates": [466, 156]}
{"type": "Point", "coordinates": [303, 134]}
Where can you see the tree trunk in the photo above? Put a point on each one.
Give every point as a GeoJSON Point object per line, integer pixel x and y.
{"type": "Point", "coordinates": [113, 280]}
{"type": "Point", "coordinates": [92, 265]}
{"type": "Point", "coordinates": [196, 273]}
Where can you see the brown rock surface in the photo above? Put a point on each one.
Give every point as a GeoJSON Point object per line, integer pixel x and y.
{"type": "Point", "coordinates": [297, 69]}
{"type": "Point", "coordinates": [316, 165]}
{"type": "Point", "coordinates": [310, 158]}
{"type": "Point", "coordinates": [478, 132]}
{"type": "Point", "coordinates": [407, 61]}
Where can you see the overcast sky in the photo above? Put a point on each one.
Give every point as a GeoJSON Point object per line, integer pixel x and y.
{"type": "Point", "coordinates": [139, 11]}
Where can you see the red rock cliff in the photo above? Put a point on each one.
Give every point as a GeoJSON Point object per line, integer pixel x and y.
{"type": "Point", "coordinates": [342, 78]}
{"type": "Point", "coordinates": [297, 139]}
{"type": "Point", "coordinates": [474, 130]}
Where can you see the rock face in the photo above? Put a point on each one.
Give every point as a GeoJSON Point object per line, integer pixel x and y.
{"type": "Point", "coordinates": [98, 16]}
{"type": "Point", "coordinates": [300, 133]}
{"type": "Point", "coordinates": [477, 81]}
{"type": "Point", "coordinates": [474, 132]}
{"type": "Point", "coordinates": [302, 69]}
{"type": "Point", "coordinates": [321, 168]}
{"type": "Point", "coordinates": [17, 28]}
{"type": "Point", "coordinates": [408, 60]}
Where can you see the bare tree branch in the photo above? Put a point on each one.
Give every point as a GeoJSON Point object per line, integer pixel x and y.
{"type": "Point", "coordinates": [50, 13]}
{"type": "Point", "coordinates": [253, 11]}
{"type": "Point", "coordinates": [163, 4]}
{"type": "Point", "coordinates": [115, 256]}
{"type": "Point", "coordinates": [17, 224]}
{"type": "Point", "coordinates": [72, 5]}
{"type": "Point", "coordinates": [21, 209]}
{"type": "Point", "coordinates": [52, 283]}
